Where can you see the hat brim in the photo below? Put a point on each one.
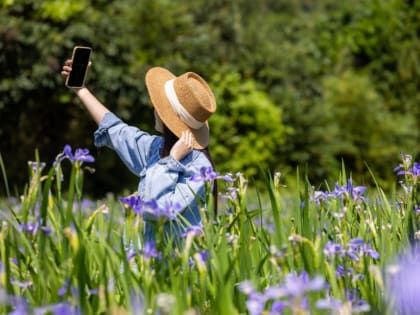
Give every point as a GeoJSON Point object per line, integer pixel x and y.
{"type": "Point", "coordinates": [155, 82]}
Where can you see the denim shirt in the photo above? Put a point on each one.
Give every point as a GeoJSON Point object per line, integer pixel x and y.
{"type": "Point", "coordinates": [165, 180]}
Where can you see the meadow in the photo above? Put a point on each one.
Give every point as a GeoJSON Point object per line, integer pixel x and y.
{"type": "Point", "coordinates": [340, 250]}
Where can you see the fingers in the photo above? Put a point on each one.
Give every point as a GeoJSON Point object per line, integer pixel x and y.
{"type": "Point", "coordinates": [67, 67]}
{"type": "Point", "coordinates": [188, 139]}
{"type": "Point", "coordinates": [183, 146]}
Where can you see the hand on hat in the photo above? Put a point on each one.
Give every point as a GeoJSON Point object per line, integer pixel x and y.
{"type": "Point", "coordinates": [183, 146]}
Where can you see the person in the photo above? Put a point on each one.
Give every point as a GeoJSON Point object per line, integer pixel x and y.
{"type": "Point", "coordinates": [164, 163]}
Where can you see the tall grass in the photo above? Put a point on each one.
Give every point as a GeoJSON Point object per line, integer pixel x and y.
{"type": "Point", "coordinates": [286, 252]}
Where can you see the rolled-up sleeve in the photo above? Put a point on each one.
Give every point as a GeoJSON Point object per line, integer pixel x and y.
{"type": "Point", "coordinates": [168, 182]}
{"type": "Point", "coordinates": [131, 144]}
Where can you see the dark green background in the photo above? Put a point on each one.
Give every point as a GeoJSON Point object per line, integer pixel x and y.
{"type": "Point", "coordinates": [298, 82]}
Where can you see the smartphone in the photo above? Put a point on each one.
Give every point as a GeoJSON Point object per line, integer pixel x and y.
{"type": "Point", "coordinates": [80, 58]}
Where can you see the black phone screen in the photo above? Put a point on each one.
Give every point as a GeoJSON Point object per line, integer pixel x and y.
{"type": "Point", "coordinates": [79, 66]}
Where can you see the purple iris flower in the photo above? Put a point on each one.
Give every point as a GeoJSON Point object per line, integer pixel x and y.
{"type": "Point", "coordinates": [137, 303]}
{"type": "Point", "coordinates": [291, 292]}
{"type": "Point", "coordinates": [80, 155]}
{"type": "Point", "coordinates": [405, 285]}
{"type": "Point", "coordinates": [355, 249]}
{"type": "Point", "coordinates": [170, 210]}
{"type": "Point", "coordinates": [356, 242]}
{"type": "Point", "coordinates": [204, 256]}
{"type": "Point", "coordinates": [353, 254]}
{"type": "Point", "coordinates": [131, 253]}
{"type": "Point", "coordinates": [67, 152]}
{"type": "Point", "coordinates": [368, 250]}
{"type": "Point", "coordinates": [278, 307]}
{"type": "Point", "coordinates": [276, 292]}
{"type": "Point", "coordinates": [256, 303]}
{"type": "Point", "coordinates": [64, 288]}
{"type": "Point", "coordinates": [349, 191]}
{"type": "Point", "coordinates": [230, 194]}
{"type": "Point", "coordinates": [46, 230]}
{"type": "Point", "coordinates": [331, 249]}
{"type": "Point", "coordinates": [33, 228]}
{"type": "Point", "coordinates": [150, 250]}
{"type": "Point", "coordinates": [246, 287]}
{"type": "Point", "coordinates": [30, 227]}
{"type": "Point", "coordinates": [357, 305]}
{"type": "Point", "coordinates": [329, 303]}
{"type": "Point", "coordinates": [87, 204]}
{"type": "Point", "coordinates": [140, 206]}
{"type": "Point", "coordinates": [297, 285]}
{"type": "Point", "coordinates": [136, 203]}
{"type": "Point", "coordinates": [319, 196]}
{"type": "Point", "coordinates": [352, 294]}
{"type": "Point", "coordinates": [36, 166]}
{"type": "Point", "coordinates": [130, 201]}
{"type": "Point", "coordinates": [407, 167]}
{"type": "Point", "coordinates": [355, 193]}
{"type": "Point", "coordinates": [65, 309]}
{"type": "Point", "coordinates": [342, 272]}
{"type": "Point", "coordinates": [227, 178]}
{"type": "Point", "coordinates": [416, 169]}
{"type": "Point", "coordinates": [60, 308]}
{"type": "Point", "coordinates": [207, 174]}
{"type": "Point", "coordinates": [196, 230]}
{"type": "Point", "coordinates": [21, 306]}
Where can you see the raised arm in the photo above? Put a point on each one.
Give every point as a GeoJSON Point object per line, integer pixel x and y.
{"type": "Point", "coordinates": [96, 109]}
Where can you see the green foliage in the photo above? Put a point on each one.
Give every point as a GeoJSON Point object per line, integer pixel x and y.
{"type": "Point", "coordinates": [248, 126]}
{"type": "Point", "coordinates": [368, 130]}
{"type": "Point", "coordinates": [63, 253]}
{"type": "Point", "coordinates": [285, 55]}
{"type": "Point", "coordinates": [61, 10]}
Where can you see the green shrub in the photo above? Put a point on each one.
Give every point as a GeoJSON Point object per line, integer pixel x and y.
{"type": "Point", "coordinates": [247, 129]}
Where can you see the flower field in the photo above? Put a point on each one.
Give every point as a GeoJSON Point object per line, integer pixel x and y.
{"type": "Point", "coordinates": [341, 250]}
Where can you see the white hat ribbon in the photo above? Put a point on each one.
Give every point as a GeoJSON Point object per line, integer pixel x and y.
{"type": "Point", "coordinates": [180, 110]}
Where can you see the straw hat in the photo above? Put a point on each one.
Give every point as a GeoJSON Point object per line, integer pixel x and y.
{"type": "Point", "coordinates": [183, 102]}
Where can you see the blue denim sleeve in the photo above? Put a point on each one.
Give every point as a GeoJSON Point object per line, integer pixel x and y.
{"type": "Point", "coordinates": [131, 144]}
{"type": "Point", "coordinates": [168, 183]}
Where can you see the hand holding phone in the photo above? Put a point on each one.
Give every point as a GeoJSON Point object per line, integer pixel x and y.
{"type": "Point", "coordinates": [79, 66]}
